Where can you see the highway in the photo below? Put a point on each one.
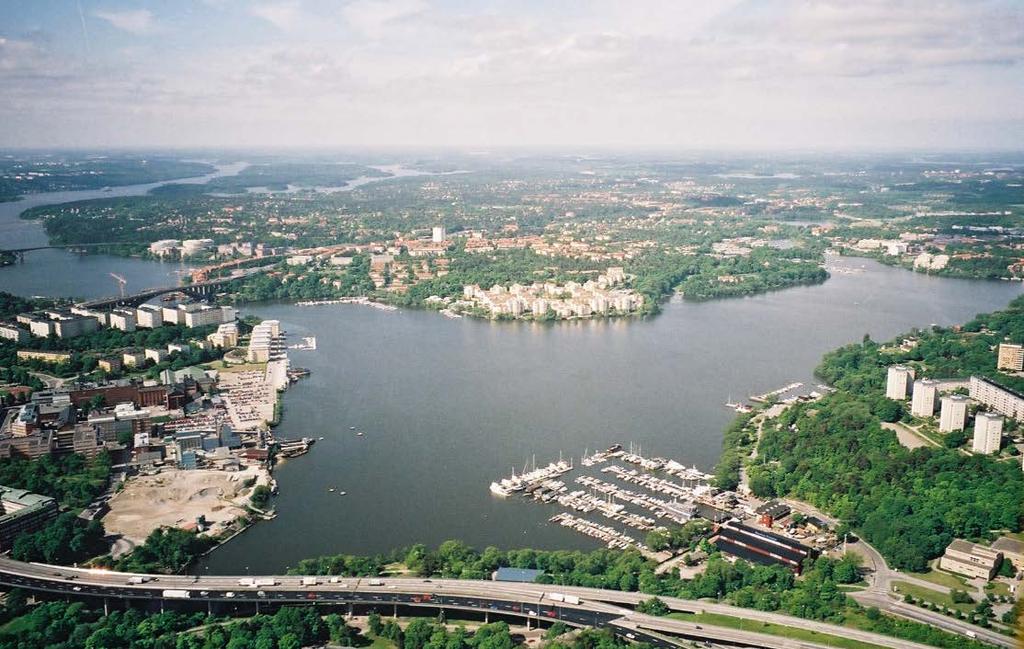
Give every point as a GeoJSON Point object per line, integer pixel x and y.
{"type": "Point", "coordinates": [529, 602]}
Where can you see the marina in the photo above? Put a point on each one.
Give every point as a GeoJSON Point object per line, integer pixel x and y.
{"type": "Point", "coordinates": [529, 479]}
{"type": "Point", "coordinates": [668, 492]}
{"type": "Point", "coordinates": [764, 398]}
{"type": "Point", "coordinates": [613, 538]}
{"type": "Point", "coordinates": [365, 301]}
{"type": "Point", "coordinates": [308, 344]}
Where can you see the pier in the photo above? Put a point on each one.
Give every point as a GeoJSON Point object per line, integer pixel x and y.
{"type": "Point", "coordinates": [668, 492]}
{"type": "Point", "coordinates": [763, 398]}
{"type": "Point", "coordinates": [349, 300]}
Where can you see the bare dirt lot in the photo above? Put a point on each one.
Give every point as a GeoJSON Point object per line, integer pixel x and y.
{"type": "Point", "coordinates": [175, 498]}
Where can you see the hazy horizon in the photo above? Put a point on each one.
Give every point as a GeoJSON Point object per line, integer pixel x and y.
{"type": "Point", "coordinates": [659, 77]}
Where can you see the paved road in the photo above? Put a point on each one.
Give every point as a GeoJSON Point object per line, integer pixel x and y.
{"type": "Point", "coordinates": [880, 594]}
{"type": "Point", "coordinates": [596, 607]}
{"type": "Point", "coordinates": [897, 607]}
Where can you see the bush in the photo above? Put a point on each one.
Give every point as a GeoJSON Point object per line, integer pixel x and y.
{"type": "Point", "coordinates": [961, 597]}
{"type": "Point", "coordinates": [653, 606]}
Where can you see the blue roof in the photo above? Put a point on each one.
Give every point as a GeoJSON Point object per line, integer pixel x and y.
{"type": "Point", "coordinates": [522, 575]}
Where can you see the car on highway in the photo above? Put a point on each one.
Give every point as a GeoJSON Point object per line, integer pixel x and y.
{"type": "Point", "coordinates": [229, 594]}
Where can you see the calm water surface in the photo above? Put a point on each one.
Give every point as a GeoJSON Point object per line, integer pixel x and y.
{"type": "Point", "coordinates": [449, 405]}
{"type": "Point", "coordinates": [61, 273]}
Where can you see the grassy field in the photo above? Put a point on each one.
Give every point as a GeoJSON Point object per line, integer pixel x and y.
{"type": "Point", "coordinates": [933, 596]}
{"type": "Point", "coordinates": [997, 588]}
{"type": "Point", "coordinates": [942, 578]}
{"type": "Point", "coordinates": [715, 619]}
{"type": "Point", "coordinates": [379, 642]}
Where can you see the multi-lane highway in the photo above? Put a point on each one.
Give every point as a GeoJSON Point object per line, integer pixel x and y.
{"type": "Point", "coordinates": [530, 602]}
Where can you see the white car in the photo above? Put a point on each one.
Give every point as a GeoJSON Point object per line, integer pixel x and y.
{"type": "Point", "coordinates": [229, 594]}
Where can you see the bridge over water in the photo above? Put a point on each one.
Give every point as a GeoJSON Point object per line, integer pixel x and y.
{"type": "Point", "coordinates": [201, 291]}
{"type": "Point", "coordinates": [19, 253]}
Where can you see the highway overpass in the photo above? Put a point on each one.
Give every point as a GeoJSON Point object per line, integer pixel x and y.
{"type": "Point", "coordinates": [529, 603]}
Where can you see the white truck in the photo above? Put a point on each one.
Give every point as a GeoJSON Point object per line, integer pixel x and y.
{"type": "Point", "coordinates": [310, 581]}
{"type": "Point", "coordinates": [138, 580]}
{"type": "Point", "coordinates": [559, 597]}
{"type": "Point", "coordinates": [252, 582]}
{"type": "Point", "coordinates": [177, 594]}
{"type": "Point", "coordinates": [376, 582]}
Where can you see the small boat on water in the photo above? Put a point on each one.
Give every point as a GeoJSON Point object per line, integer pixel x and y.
{"type": "Point", "coordinates": [359, 434]}
{"type": "Point", "coordinates": [320, 438]}
{"type": "Point", "coordinates": [342, 493]}
{"type": "Point", "coordinates": [351, 427]}
{"type": "Point", "coordinates": [331, 489]}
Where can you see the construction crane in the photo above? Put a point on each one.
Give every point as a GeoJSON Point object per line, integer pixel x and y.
{"type": "Point", "coordinates": [120, 281]}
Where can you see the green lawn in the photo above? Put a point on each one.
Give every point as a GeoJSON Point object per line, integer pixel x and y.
{"type": "Point", "coordinates": [933, 596]}
{"type": "Point", "coordinates": [997, 588]}
{"type": "Point", "coordinates": [942, 578]}
{"type": "Point", "coordinates": [379, 642]}
{"type": "Point", "coordinates": [715, 619]}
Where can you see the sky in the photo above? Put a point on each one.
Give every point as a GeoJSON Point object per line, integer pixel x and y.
{"type": "Point", "coordinates": [474, 75]}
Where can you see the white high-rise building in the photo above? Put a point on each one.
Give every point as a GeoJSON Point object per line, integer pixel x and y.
{"type": "Point", "coordinates": [988, 433]}
{"type": "Point", "coordinates": [1002, 400]}
{"type": "Point", "coordinates": [898, 381]}
{"type": "Point", "coordinates": [953, 413]}
{"type": "Point", "coordinates": [438, 234]}
{"type": "Point", "coordinates": [1011, 357]}
{"type": "Point", "coordinates": [923, 402]}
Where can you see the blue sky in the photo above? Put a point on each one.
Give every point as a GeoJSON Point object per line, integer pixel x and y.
{"type": "Point", "coordinates": [666, 74]}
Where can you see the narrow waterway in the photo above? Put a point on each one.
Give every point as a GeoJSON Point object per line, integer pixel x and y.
{"type": "Point", "coordinates": [67, 274]}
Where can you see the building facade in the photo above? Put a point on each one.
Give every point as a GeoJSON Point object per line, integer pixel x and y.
{"type": "Point", "coordinates": [1011, 357]}
{"type": "Point", "coordinates": [988, 433]}
{"type": "Point", "coordinates": [971, 559]}
{"type": "Point", "coordinates": [953, 413]}
{"type": "Point", "coordinates": [898, 381]}
{"type": "Point", "coordinates": [1002, 400]}
{"type": "Point", "coordinates": [23, 512]}
{"type": "Point", "coordinates": [922, 403]}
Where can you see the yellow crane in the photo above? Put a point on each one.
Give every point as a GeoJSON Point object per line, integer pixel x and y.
{"type": "Point", "coordinates": [121, 282]}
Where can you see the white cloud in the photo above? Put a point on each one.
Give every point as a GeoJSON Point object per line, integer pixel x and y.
{"type": "Point", "coordinates": [372, 17]}
{"type": "Point", "coordinates": [283, 15]}
{"type": "Point", "coordinates": [136, 21]}
{"type": "Point", "coordinates": [660, 72]}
